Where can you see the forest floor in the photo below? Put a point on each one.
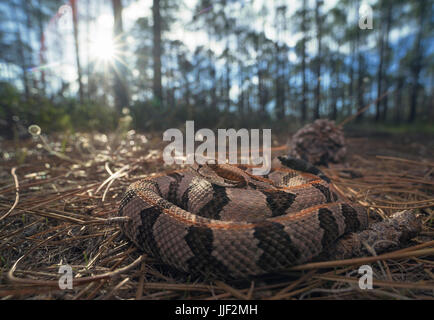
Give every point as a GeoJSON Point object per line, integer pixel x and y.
{"type": "Point", "coordinates": [59, 199]}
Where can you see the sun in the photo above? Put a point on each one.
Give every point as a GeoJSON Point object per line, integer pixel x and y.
{"type": "Point", "coordinates": [104, 49]}
{"type": "Point", "coordinates": [103, 46]}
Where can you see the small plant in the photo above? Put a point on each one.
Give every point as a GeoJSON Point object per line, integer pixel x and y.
{"type": "Point", "coordinates": [86, 259]}
{"type": "Point", "coordinates": [21, 155]}
{"type": "Point", "coordinates": [36, 132]}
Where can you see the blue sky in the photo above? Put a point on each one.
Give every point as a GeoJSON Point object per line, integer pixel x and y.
{"type": "Point", "coordinates": [59, 33]}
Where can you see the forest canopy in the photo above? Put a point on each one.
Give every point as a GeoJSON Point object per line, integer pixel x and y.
{"type": "Point", "coordinates": [81, 64]}
{"type": "Point", "coordinates": [307, 170]}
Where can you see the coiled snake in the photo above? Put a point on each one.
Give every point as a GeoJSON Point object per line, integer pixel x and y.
{"type": "Point", "coordinates": [221, 220]}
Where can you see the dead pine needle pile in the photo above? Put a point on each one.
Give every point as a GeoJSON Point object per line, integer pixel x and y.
{"type": "Point", "coordinates": [59, 198]}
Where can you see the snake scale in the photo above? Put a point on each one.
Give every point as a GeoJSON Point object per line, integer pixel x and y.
{"type": "Point", "coordinates": [221, 220]}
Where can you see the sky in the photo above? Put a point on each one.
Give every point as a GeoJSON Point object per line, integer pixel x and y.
{"type": "Point", "coordinates": [182, 28]}
{"type": "Point", "coordinates": [59, 31]}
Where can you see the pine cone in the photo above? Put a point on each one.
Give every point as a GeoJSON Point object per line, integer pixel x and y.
{"type": "Point", "coordinates": [319, 143]}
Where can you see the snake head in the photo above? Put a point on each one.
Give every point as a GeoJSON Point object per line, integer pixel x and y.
{"type": "Point", "coordinates": [220, 174]}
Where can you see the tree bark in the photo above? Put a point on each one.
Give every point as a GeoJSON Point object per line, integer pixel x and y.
{"type": "Point", "coordinates": [383, 45]}
{"type": "Point", "coordinates": [318, 61]}
{"type": "Point", "coordinates": [77, 48]}
{"type": "Point", "coordinates": [379, 75]}
{"type": "Point", "coordinates": [259, 74]}
{"type": "Point", "coordinates": [42, 49]}
{"type": "Point", "coordinates": [360, 76]}
{"type": "Point", "coordinates": [280, 79]}
{"type": "Point", "coordinates": [303, 64]}
{"type": "Point", "coordinates": [416, 65]}
{"type": "Point", "coordinates": [336, 90]}
{"type": "Point", "coordinates": [387, 62]}
{"type": "Point", "coordinates": [120, 85]}
{"type": "Point", "coordinates": [351, 84]}
{"type": "Point", "coordinates": [279, 107]}
{"type": "Point", "coordinates": [22, 60]}
{"type": "Point", "coordinates": [156, 52]}
{"type": "Point", "coordinates": [398, 98]}
{"type": "Point", "coordinates": [228, 87]}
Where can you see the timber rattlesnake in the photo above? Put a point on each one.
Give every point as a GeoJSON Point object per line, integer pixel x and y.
{"type": "Point", "coordinates": [222, 220]}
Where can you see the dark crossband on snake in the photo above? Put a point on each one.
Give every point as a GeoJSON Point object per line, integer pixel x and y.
{"type": "Point", "coordinates": [221, 220]}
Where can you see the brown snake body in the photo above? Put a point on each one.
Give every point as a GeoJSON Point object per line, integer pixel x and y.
{"type": "Point", "coordinates": [221, 220]}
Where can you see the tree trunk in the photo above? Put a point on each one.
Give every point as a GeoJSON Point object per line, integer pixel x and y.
{"type": "Point", "coordinates": [318, 61]}
{"type": "Point", "coordinates": [383, 53]}
{"type": "Point", "coordinates": [156, 52]}
{"type": "Point", "coordinates": [387, 62]}
{"type": "Point", "coordinates": [77, 47]}
{"type": "Point", "coordinates": [42, 49]}
{"type": "Point", "coordinates": [336, 90]}
{"type": "Point", "coordinates": [303, 65]}
{"type": "Point", "coordinates": [120, 85]}
{"type": "Point", "coordinates": [416, 65]}
{"type": "Point", "coordinates": [259, 74]}
{"type": "Point", "coordinates": [351, 84]}
{"type": "Point", "coordinates": [228, 81]}
{"type": "Point", "coordinates": [279, 107]}
{"type": "Point", "coordinates": [88, 72]}
{"type": "Point", "coordinates": [187, 92]}
{"type": "Point", "coordinates": [240, 102]}
{"type": "Point", "coordinates": [21, 54]}
{"type": "Point", "coordinates": [398, 99]}
{"type": "Point", "coordinates": [241, 94]}
{"type": "Point", "coordinates": [379, 75]}
{"type": "Point", "coordinates": [214, 102]}
{"type": "Point", "coordinates": [360, 76]}
{"type": "Point", "coordinates": [280, 62]}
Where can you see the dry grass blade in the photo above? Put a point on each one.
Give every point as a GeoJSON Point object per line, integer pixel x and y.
{"type": "Point", "coordinates": [236, 293]}
{"type": "Point", "coordinates": [177, 286]}
{"type": "Point", "coordinates": [364, 260]}
{"type": "Point", "coordinates": [17, 194]}
{"type": "Point", "coordinates": [66, 213]}
{"type": "Point", "coordinates": [116, 288]}
{"type": "Point", "coordinates": [76, 282]}
{"type": "Point", "coordinates": [139, 292]}
{"type": "Point", "coordinates": [431, 164]}
{"type": "Point", "coordinates": [380, 283]}
{"type": "Point", "coordinates": [359, 112]}
{"type": "Point", "coordinates": [293, 285]}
